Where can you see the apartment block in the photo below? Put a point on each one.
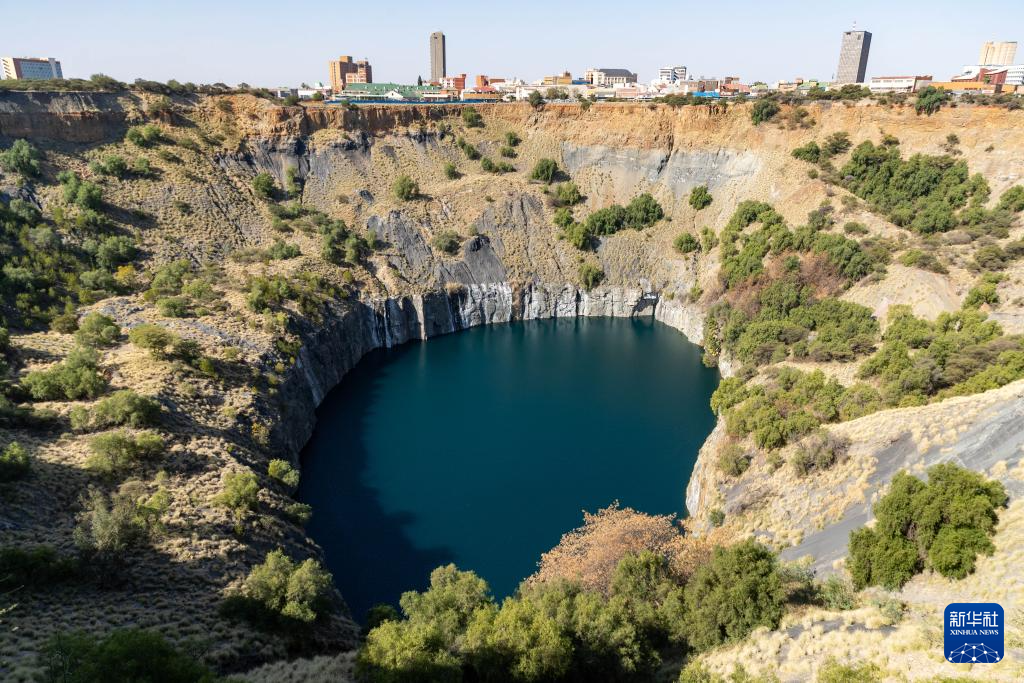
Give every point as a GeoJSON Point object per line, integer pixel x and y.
{"type": "Point", "coordinates": [345, 71]}
{"type": "Point", "coordinates": [997, 53]}
{"type": "Point", "coordinates": [30, 68]}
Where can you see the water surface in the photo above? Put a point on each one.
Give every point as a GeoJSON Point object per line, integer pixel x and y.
{"type": "Point", "coordinates": [483, 447]}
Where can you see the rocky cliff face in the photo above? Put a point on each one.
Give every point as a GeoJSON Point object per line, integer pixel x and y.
{"type": "Point", "coordinates": [334, 347]}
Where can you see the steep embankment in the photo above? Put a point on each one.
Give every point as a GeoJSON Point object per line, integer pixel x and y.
{"type": "Point", "coordinates": [277, 364]}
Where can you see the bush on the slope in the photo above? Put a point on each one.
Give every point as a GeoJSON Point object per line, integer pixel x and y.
{"type": "Point", "coordinates": [942, 524]}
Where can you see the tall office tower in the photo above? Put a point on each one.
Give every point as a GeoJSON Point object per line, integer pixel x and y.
{"type": "Point", "coordinates": [997, 54]}
{"type": "Point", "coordinates": [437, 57]}
{"type": "Point", "coordinates": [853, 57]}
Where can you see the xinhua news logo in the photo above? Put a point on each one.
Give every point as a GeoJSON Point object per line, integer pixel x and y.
{"type": "Point", "coordinates": [974, 632]}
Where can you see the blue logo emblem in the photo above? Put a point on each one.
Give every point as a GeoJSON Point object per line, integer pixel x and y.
{"type": "Point", "coordinates": [974, 632]}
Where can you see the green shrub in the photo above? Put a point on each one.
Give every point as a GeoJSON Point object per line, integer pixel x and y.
{"type": "Point", "coordinates": [405, 188]}
{"type": "Point", "coordinates": [512, 139]}
{"type": "Point", "coordinates": [268, 292]}
{"type": "Point", "coordinates": [590, 275]}
{"type": "Point", "coordinates": [471, 152]}
{"type": "Point", "coordinates": [739, 590]}
{"type": "Point", "coordinates": [21, 158]}
{"type": "Point", "coordinates": [280, 592]}
{"type": "Point", "coordinates": [733, 460]}
{"type": "Point", "coordinates": [930, 100]}
{"type": "Point", "coordinates": [943, 525]}
{"type": "Point", "coordinates": [115, 453]}
{"type": "Point", "coordinates": [241, 491]}
{"type": "Point", "coordinates": [300, 513]}
{"type": "Point", "coordinates": [819, 451]}
{"type": "Point", "coordinates": [112, 165]}
{"type": "Point", "coordinates": [33, 568]}
{"type": "Point", "coordinates": [834, 672]}
{"type": "Point", "coordinates": [1013, 199]}
{"type": "Point", "coordinates": [915, 258]}
{"type": "Point", "coordinates": [15, 463]}
{"type": "Point", "coordinates": [764, 110]}
{"type": "Point", "coordinates": [472, 118]}
{"type": "Point", "coordinates": [110, 528]}
{"type": "Point", "coordinates": [283, 471]}
{"type": "Point", "coordinates": [126, 408]}
{"type": "Point", "coordinates": [77, 377]}
{"type": "Point", "coordinates": [544, 170]}
{"type": "Point", "coordinates": [451, 172]}
{"type": "Point", "coordinates": [838, 594]}
{"type": "Point", "coordinates": [122, 655]}
{"type": "Point", "coordinates": [447, 241]}
{"type": "Point", "coordinates": [174, 307]}
{"type": "Point", "coordinates": [700, 198]}
{"type": "Point", "coordinates": [81, 193]}
{"type": "Point", "coordinates": [96, 330]}
{"type": "Point", "coordinates": [686, 243]}
{"type": "Point", "coordinates": [508, 152]}
{"type": "Point", "coordinates": [810, 152]}
{"type": "Point", "coordinates": [567, 194]}
{"type": "Point", "coordinates": [264, 186]}
{"type": "Point", "coordinates": [154, 338]}
{"type": "Point", "coordinates": [144, 136]}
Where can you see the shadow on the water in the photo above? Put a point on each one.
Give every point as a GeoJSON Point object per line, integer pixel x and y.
{"type": "Point", "coordinates": [333, 471]}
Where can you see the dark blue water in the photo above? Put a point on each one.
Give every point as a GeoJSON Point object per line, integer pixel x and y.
{"type": "Point", "coordinates": [483, 447]}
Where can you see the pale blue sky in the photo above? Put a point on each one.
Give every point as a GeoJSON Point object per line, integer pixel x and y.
{"type": "Point", "coordinates": [281, 43]}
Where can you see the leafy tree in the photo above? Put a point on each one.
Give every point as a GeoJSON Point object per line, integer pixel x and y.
{"type": "Point", "coordinates": [763, 110]}
{"type": "Point", "coordinates": [642, 211]}
{"type": "Point", "coordinates": [545, 170]}
{"type": "Point", "coordinates": [126, 408]}
{"type": "Point", "coordinates": [535, 99]}
{"type": "Point", "coordinates": [264, 186]}
{"type": "Point", "coordinates": [930, 100]}
{"type": "Point", "coordinates": [700, 198]}
{"type": "Point", "coordinates": [75, 378]}
{"type": "Point", "coordinates": [114, 453]}
{"type": "Point", "coordinates": [405, 188]}
{"type": "Point", "coordinates": [21, 158]}
{"type": "Point", "coordinates": [810, 152]}
{"type": "Point", "coordinates": [739, 590]}
{"type": "Point", "coordinates": [122, 655]}
{"type": "Point", "coordinates": [288, 592]}
{"type": "Point", "coordinates": [943, 524]}
{"type": "Point", "coordinates": [97, 330]}
{"type": "Point", "coordinates": [81, 193]}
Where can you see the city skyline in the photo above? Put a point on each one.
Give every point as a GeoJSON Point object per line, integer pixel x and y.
{"type": "Point", "coordinates": [188, 42]}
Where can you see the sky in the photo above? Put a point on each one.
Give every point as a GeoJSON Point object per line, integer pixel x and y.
{"type": "Point", "coordinates": [285, 43]}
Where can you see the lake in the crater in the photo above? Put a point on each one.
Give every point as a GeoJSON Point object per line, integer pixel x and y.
{"type": "Point", "coordinates": [483, 447]}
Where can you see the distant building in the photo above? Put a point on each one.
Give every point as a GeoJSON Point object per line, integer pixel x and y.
{"type": "Point", "coordinates": [1015, 75]}
{"type": "Point", "coordinates": [564, 79]}
{"type": "Point", "coordinates": [610, 76]}
{"type": "Point", "coordinates": [671, 74]}
{"type": "Point", "coordinates": [390, 91]}
{"type": "Point", "coordinates": [30, 68]}
{"type": "Point", "coordinates": [438, 64]}
{"type": "Point", "coordinates": [457, 83]}
{"type": "Point", "coordinates": [997, 53]}
{"type": "Point", "coordinates": [898, 84]}
{"type": "Point", "coordinates": [345, 71]}
{"type": "Point", "coordinates": [853, 57]}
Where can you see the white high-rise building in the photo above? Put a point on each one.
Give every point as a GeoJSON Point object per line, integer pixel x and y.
{"type": "Point", "coordinates": [671, 74]}
{"type": "Point", "coordinates": [997, 53]}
